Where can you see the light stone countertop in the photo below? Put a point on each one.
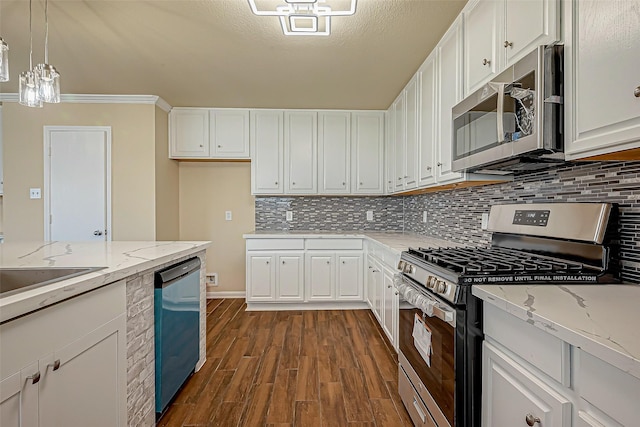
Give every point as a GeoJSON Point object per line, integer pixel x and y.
{"type": "Point", "coordinates": [121, 259]}
{"type": "Point", "coordinates": [394, 241]}
{"type": "Point", "coordinates": [603, 320]}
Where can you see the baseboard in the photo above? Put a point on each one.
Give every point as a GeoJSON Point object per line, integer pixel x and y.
{"type": "Point", "coordinates": [288, 306]}
{"type": "Point", "coordinates": [226, 294]}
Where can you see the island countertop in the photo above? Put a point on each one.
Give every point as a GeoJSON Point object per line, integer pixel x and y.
{"type": "Point", "coordinates": [120, 259]}
{"type": "Point", "coordinates": [600, 319]}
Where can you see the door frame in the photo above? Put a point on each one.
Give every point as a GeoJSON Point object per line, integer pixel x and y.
{"type": "Point", "coordinates": [47, 173]}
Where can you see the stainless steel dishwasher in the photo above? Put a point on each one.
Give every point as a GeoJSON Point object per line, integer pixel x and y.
{"type": "Point", "coordinates": [177, 328]}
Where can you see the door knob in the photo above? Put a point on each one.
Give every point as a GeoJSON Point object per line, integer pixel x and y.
{"type": "Point", "coordinates": [97, 233]}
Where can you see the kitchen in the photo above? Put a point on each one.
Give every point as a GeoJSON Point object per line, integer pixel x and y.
{"type": "Point", "coordinates": [155, 198]}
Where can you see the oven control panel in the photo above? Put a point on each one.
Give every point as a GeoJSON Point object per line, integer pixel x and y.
{"type": "Point", "coordinates": [538, 218]}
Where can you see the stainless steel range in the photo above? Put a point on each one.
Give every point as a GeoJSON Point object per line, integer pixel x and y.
{"type": "Point", "coordinates": [441, 321]}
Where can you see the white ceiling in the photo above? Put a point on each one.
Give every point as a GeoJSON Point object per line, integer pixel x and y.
{"type": "Point", "coordinates": [216, 53]}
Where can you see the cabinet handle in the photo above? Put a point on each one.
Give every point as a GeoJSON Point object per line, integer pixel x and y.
{"type": "Point", "coordinates": [399, 178]}
{"type": "Point", "coordinates": [531, 420]}
{"type": "Point", "coordinates": [35, 378]}
{"type": "Point", "coordinates": [439, 164]}
{"type": "Point", "coordinates": [636, 92]}
{"type": "Point", "coordinates": [485, 61]}
{"type": "Point", "coordinates": [55, 365]}
{"type": "Point", "coordinates": [507, 43]}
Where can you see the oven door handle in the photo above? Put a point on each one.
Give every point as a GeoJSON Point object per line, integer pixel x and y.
{"type": "Point", "coordinates": [429, 305]}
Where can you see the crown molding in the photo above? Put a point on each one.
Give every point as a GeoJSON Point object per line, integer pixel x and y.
{"type": "Point", "coordinates": [101, 99]}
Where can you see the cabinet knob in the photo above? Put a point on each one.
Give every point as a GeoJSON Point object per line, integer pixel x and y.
{"type": "Point", "coordinates": [283, 262]}
{"type": "Point", "coordinates": [439, 164]}
{"type": "Point", "coordinates": [276, 183]}
{"type": "Point", "coordinates": [399, 178]}
{"type": "Point", "coordinates": [201, 145]}
{"type": "Point", "coordinates": [636, 92]}
{"type": "Point", "coordinates": [343, 262]}
{"type": "Point", "coordinates": [485, 61]}
{"type": "Point", "coordinates": [531, 420]}
{"type": "Point", "coordinates": [97, 233]}
{"type": "Point", "coordinates": [428, 168]}
{"type": "Point", "coordinates": [219, 146]}
{"type": "Point", "coordinates": [267, 262]}
{"type": "Point", "coordinates": [35, 378]}
{"type": "Point", "coordinates": [344, 183]}
{"type": "Point", "coordinates": [406, 176]}
{"type": "Point", "coordinates": [360, 182]}
{"type": "Point", "coordinates": [293, 183]}
{"type": "Point", "coordinates": [55, 365]}
{"type": "Point", "coordinates": [397, 293]}
{"type": "Point", "coordinates": [388, 286]}
{"type": "Point", "coordinates": [507, 43]}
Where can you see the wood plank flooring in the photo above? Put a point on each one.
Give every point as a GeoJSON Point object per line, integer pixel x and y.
{"type": "Point", "coordinates": [291, 368]}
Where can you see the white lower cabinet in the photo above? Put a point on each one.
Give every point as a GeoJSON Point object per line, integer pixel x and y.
{"type": "Point", "coordinates": [290, 276]}
{"type": "Point", "coordinates": [390, 303]}
{"type": "Point", "coordinates": [59, 371]}
{"type": "Point", "coordinates": [320, 269]}
{"type": "Point", "coordinates": [349, 276]}
{"type": "Point", "coordinates": [334, 276]}
{"type": "Point", "coordinates": [261, 277]}
{"type": "Point", "coordinates": [275, 276]}
{"type": "Point", "coordinates": [513, 396]}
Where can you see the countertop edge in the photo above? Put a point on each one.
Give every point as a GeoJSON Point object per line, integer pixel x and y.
{"type": "Point", "coordinates": [624, 362]}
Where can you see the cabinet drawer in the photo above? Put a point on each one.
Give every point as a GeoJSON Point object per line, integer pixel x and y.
{"type": "Point", "coordinates": [544, 351]}
{"type": "Point", "coordinates": [274, 244]}
{"type": "Point", "coordinates": [412, 402]}
{"type": "Point", "coordinates": [606, 387]}
{"type": "Point", "coordinates": [334, 244]}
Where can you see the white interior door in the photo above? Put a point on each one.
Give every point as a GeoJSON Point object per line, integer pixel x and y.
{"type": "Point", "coordinates": [77, 183]}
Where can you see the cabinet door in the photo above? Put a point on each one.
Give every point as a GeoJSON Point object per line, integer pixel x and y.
{"type": "Point", "coordinates": [605, 78]}
{"type": "Point", "coordinates": [400, 127]}
{"type": "Point", "coordinates": [19, 398]}
{"type": "Point", "coordinates": [427, 120]}
{"type": "Point", "coordinates": [261, 277]}
{"type": "Point", "coordinates": [389, 317]}
{"type": "Point", "coordinates": [267, 148]}
{"type": "Point", "coordinates": [378, 293]}
{"type": "Point", "coordinates": [349, 277]}
{"type": "Point", "coordinates": [390, 150]}
{"type": "Point", "coordinates": [510, 394]}
{"type": "Point", "coordinates": [290, 277]}
{"type": "Point", "coordinates": [83, 390]}
{"type": "Point", "coordinates": [320, 273]}
{"type": "Point", "coordinates": [411, 146]}
{"type": "Point", "coordinates": [189, 136]}
{"type": "Point", "coordinates": [483, 24]}
{"type": "Point", "coordinates": [334, 156]}
{"type": "Point", "coordinates": [450, 85]}
{"type": "Point", "coordinates": [300, 152]}
{"type": "Point", "coordinates": [229, 133]}
{"type": "Point", "coordinates": [370, 288]}
{"type": "Point", "coordinates": [529, 23]}
{"type": "Point", "coordinates": [367, 159]}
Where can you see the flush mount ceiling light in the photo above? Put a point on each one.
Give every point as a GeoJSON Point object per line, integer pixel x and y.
{"type": "Point", "coordinates": [304, 17]}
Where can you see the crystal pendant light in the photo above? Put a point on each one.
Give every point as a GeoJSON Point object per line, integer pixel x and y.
{"type": "Point", "coordinates": [28, 83]}
{"type": "Point", "coordinates": [4, 61]}
{"type": "Point", "coordinates": [47, 76]}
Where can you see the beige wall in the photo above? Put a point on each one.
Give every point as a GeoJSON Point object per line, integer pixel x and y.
{"type": "Point", "coordinates": [167, 224]}
{"type": "Point", "coordinates": [1, 200]}
{"type": "Point", "coordinates": [132, 159]}
{"type": "Point", "coordinates": [207, 190]}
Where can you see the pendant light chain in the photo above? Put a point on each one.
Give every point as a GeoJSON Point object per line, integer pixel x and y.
{"type": "Point", "coordinates": [46, 31]}
{"type": "Point", "coordinates": [30, 38]}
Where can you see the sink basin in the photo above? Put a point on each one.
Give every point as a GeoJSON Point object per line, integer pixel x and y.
{"type": "Point", "coordinates": [13, 280]}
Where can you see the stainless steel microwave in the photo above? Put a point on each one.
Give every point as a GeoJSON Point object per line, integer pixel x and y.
{"type": "Point", "coordinates": [513, 123]}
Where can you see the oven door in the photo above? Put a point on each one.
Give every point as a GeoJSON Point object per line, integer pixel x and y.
{"type": "Point", "coordinates": [427, 354]}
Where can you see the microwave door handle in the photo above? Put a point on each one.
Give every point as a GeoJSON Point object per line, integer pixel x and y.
{"type": "Point", "coordinates": [500, 112]}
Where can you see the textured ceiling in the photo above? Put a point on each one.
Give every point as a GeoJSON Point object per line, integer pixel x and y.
{"type": "Point", "coordinates": [216, 53]}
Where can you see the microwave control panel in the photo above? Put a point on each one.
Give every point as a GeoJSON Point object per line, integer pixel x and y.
{"type": "Point", "coordinates": [538, 218]}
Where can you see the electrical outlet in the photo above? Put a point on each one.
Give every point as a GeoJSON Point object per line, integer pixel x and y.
{"type": "Point", "coordinates": [485, 221]}
{"type": "Point", "coordinates": [369, 215]}
{"type": "Point", "coordinates": [212, 279]}
{"type": "Point", "coordinates": [35, 193]}
{"type": "Point", "coordinates": [424, 216]}
{"type": "Point", "coordinates": [289, 216]}
{"type": "Point", "coordinates": [228, 216]}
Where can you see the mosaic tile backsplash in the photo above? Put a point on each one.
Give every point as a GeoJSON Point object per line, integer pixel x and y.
{"type": "Point", "coordinates": [456, 214]}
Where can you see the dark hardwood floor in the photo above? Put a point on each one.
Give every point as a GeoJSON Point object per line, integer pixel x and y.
{"type": "Point", "coordinates": [291, 368]}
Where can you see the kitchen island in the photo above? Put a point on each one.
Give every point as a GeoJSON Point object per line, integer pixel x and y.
{"type": "Point", "coordinates": [109, 311]}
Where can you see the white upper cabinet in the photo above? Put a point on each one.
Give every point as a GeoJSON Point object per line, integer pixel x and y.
{"type": "Point", "coordinates": [450, 85]}
{"type": "Point", "coordinates": [334, 157]}
{"type": "Point", "coordinates": [189, 132]}
{"type": "Point", "coordinates": [411, 134]}
{"type": "Point", "coordinates": [427, 120]}
{"type": "Point", "coordinates": [483, 31]}
{"type": "Point", "coordinates": [267, 151]}
{"type": "Point", "coordinates": [367, 152]}
{"type": "Point", "coordinates": [206, 133]}
{"type": "Point", "coordinates": [390, 151]}
{"type": "Point", "coordinates": [528, 24]}
{"type": "Point", "coordinates": [229, 133]}
{"type": "Point", "coordinates": [399, 140]}
{"type": "Point", "coordinates": [300, 152]}
{"type": "Point", "coordinates": [603, 83]}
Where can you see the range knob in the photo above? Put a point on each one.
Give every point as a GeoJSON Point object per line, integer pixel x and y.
{"type": "Point", "coordinates": [440, 287]}
{"type": "Point", "coordinates": [431, 282]}
{"type": "Point", "coordinates": [401, 265]}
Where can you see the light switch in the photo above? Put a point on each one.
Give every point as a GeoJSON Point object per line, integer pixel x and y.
{"type": "Point", "coordinates": [369, 215]}
{"type": "Point", "coordinates": [228, 216]}
{"type": "Point", "coordinates": [289, 216]}
{"type": "Point", "coordinates": [35, 193]}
